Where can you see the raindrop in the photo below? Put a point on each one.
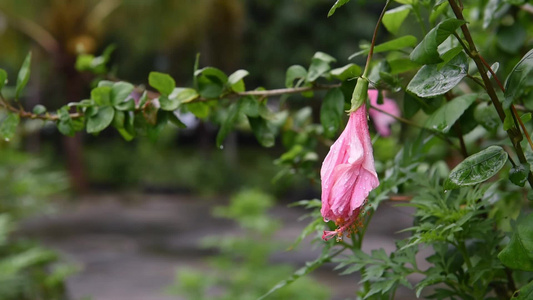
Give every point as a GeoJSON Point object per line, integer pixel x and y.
{"type": "Point", "coordinates": [6, 139]}
{"type": "Point", "coordinates": [221, 147]}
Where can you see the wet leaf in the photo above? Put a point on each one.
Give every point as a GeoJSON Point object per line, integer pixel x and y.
{"type": "Point", "coordinates": [434, 80]}
{"type": "Point", "coordinates": [518, 174]}
{"type": "Point", "coordinates": [477, 168]}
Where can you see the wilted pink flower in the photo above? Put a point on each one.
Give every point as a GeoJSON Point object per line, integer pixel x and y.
{"type": "Point", "coordinates": [381, 120]}
{"type": "Point", "coordinates": [348, 175]}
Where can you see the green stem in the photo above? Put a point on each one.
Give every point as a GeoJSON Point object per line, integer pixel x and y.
{"type": "Point", "coordinates": [462, 248]}
{"type": "Point", "coordinates": [374, 36]}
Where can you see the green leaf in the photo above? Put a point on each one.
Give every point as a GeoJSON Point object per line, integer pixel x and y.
{"type": "Point", "coordinates": [162, 83]}
{"type": "Point", "coordinates": [394, 18]}
{"type": "Point", "coordinates": [294, 72]}
{"type": "Point", "coordinates": [477, 168]}
{"type": "Point", "coordinates": [407, 1]}
{"type": "Point", "coordinates": [8, 126]}
{"type": "Point", "coordinates": [518, 174]}
{"type": "Point", "coordinates": [120, 92]}
{"type": "Point", "coordinates": [487, 116]}
{"type": "Point", "coordinates": [337, 4]}
{"type": "Point", "coordinates": [101, 119]}
{"type": "Point", "coordinates": [427, 51]}
{"type": "Point", "coordinates": [401, 65]}
{"type": "Point", "coordinates": [128, 105]}
{"type": "Point", "coordinates": [3, 78]}
{"type": "Point", "coordinates": [23, 76]}
{"type": "Point", "coordinates": [518, 254]}
{"type": "Point", "coordinates": [167, 104]}
{"type": "Point", "coordinates": [250, 106]}
{"type": "Point", "coordinates": [525, 293]}
{"type": "Point", "coordinates": [392, 45]}
{"type": "Point", "coordinates": [346, 72]}
{"type": "Point", "coordinates": [332, 111]}
{"type": "Point", "coordinates": [211, 82]}
{"type": "Point", "coordinates": [433, 80]}
{"type": "Point", "coordinates": [101, 95]}
{"type": "Point", "coordinates": [124, 123]}
{"type": "Point", "coordinates": [39, 109]}
{"type": "Point", "coordinates": [411, 105]}
{"type": "Point", "coordinates": [517, 79]}
{"type": "Point", "coordinates": [229, 123]}
{"type": "Point", "coordinates": [199, 109]}
{"type": "Point", "coordinates": [178, 97]}
{"type": "Point", "coordinates": [235, 80]}
{"type": "Point", "coordinates": [186, 95]}
{"type": "Point", "coordinates": [443, 119]}
{"type": "Point", "coordinates": [264, 131]}
{"type": "Point", "coordinates": [118, 119]}
{"type": "Point", "coordinates": [319, 66]}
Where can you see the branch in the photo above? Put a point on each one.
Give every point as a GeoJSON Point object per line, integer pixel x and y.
{"type": "Point", "coordinates": [514, 133]}
{"type": "Point", "coordinates": [262, 94]}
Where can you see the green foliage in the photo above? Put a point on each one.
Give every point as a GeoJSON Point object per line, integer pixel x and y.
{"type": "Point", "coordinates": [27, 270]}
{"type": "Point", "coordinates": [518, 254]}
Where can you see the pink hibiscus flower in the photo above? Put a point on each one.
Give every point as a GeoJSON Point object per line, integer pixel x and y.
{"type": "Point", "coordinates": [348, 175]}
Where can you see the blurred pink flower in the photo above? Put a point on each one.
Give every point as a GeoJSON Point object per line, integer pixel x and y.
{"type": "Point", "coordinates": [381, 120]}
{"type": "Point", "coordinates": [348, 175]}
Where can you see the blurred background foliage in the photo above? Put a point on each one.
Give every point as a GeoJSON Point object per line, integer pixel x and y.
{"type": "Point", "coordinates": [262, 36]}
{"type": "Point", "coordinates": [28, 270]}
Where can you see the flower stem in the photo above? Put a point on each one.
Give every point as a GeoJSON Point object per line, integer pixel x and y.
{"type": "Point", "coordinates": [374, 36]}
